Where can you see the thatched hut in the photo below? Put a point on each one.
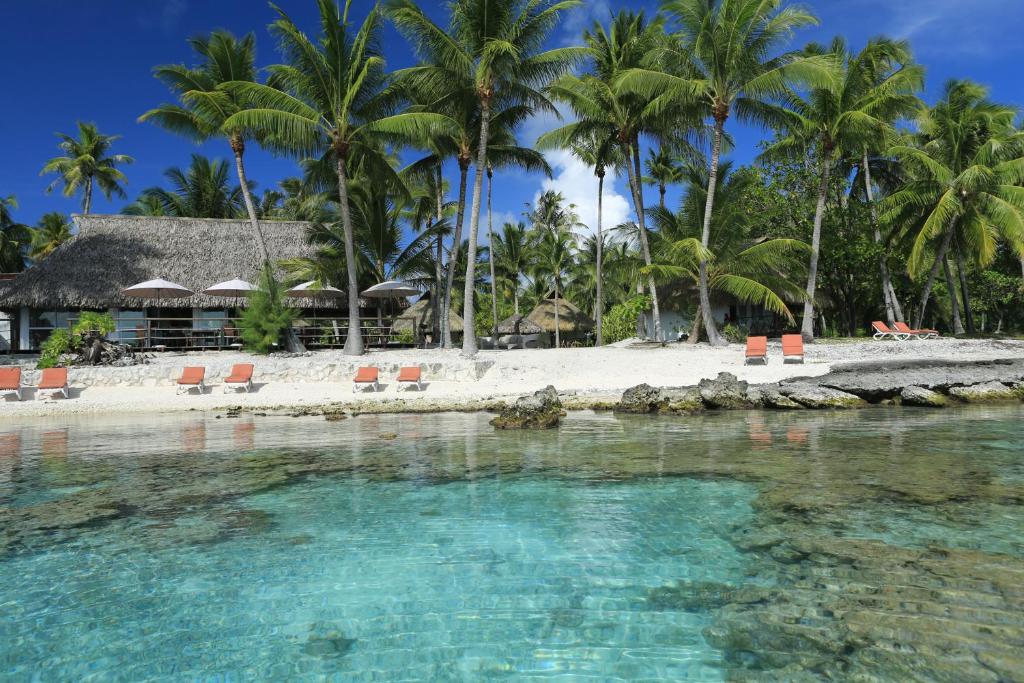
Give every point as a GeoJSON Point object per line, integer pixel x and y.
{"type": "Point", "coordinates": [420, 314]}
{"type": "Point", "coordinates": [572, 322]}
{"type": "Point", "coordinates": [518, 324]}
{"type": "Point", "coordinates": [109, 253]}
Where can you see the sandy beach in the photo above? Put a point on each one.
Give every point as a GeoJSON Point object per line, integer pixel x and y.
{"type": "Point", "coordinates": [587, 372]}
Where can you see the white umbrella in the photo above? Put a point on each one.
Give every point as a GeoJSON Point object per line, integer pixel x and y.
{"type": "Point", "coordinates": [158, 289]}
{"type": "Point", "coordinates": [231, 288]}
{"type": "Point", "coordinates": [391, 289]}
{"type": "Point", "coordinates": [314, 290]}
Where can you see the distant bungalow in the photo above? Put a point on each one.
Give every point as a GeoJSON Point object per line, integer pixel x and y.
{"type": "Point", "coordinates": [110, 253]}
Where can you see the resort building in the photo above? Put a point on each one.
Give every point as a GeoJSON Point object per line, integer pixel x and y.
{"type": "Point", "coordinates": [110, 253]}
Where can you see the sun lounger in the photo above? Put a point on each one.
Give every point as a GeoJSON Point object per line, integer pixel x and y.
{"type": "Point", "coordinates": [882, 331]}
{"type": "Point", "coordinates": [411, 376]}
{"type": "Point", "coordinates": [792, 348]}
{"type": "Point", "coordinates": [757, 349]}
{"type": "Point", "coordinates": [10, 382]}
{"type": "Point", "coordinates": [240, 377]}
{"type": "Point", "coordinates": [192, 378]}
{"type": "Point", "coordinates": [919, 334]}
{"type": "Point", "coordinates": [54, 381]}
{"type": "Point", "coordinates": [367, 376]}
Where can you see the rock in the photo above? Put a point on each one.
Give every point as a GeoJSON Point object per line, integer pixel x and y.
{"type": "Point", "coordinates": [387, 436]}
{"type": "Point", "coordinates": [541, 410]}
{"type": "Point", "coordinates": [818, 397]}
{"type": "Point", "coordinates": [877, 381]}
{"type": "Point", "coordinates": [686, 400]}
{"type": "Point", "coordinates": [641, 399]}
{"type": "Point", "coordinates": [925, 398]}
{"type": "Point", "coordinates": [987, 392]}
{"type": "Point", "coordinates": [337, 416]}
{"type": "Point", "coordinates": [769, 396]}
{"type": "Point", "coordinates": [724, 392]}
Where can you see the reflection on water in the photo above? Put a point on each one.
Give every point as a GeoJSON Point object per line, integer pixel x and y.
{"type": "Point", "coordinates": [883, 544]}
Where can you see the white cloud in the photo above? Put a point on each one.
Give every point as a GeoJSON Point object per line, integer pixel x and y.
{"type": "Point", "coordinates": [582, 17]}
{"type": "Point", "coordinates": [578, 184]}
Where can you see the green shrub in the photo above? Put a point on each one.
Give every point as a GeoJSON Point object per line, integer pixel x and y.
{"type": "Point", "coordinates": [735, 334]}
{"type": "Point", "coordinates": [88, 321]}
{"type": "Point", "coordinates": [405, 337]}
{"type": "Point", "coordinates": [620, 322]}
{"type": "Point", "coordinates": [267, 317]}
{"type": "Point", "coordinates": [57, 344]}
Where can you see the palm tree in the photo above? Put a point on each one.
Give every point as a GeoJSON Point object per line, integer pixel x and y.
{"type": "Point", "coordinates": [662, 170]}
{"type": "Point", "coordinates": [964, 181]}
{"type": "Point", "coordinates": [722, 61]}
{"type": "Point", "coordinates": [202, 191]}
{"type": "Point", "coordinates": [205, 106]}
{"type": "Point", "coordinates": [14, 237]}
{"type": "Point", "coordinates": [511, 253]}
{"type": "Point", "coordinates": [604, 113]}
{"type": "Point", "coordinates": [553, 251]}
{"type": "Point", "coordinates": [741, 265]}
{"type": "Point", "coordinates": [837, 120]}
{"type": "Point", "coordinates": [330, 101]}
{"type": "Point", "coordinates": [87, 162]}
{"type": "Point", "coordinates": [492, 48]}
{"type": "Point", "coordinates": [52, 231]}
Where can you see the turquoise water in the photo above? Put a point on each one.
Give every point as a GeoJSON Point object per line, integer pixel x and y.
{"type": "Point", "coordinates": [433, 548]}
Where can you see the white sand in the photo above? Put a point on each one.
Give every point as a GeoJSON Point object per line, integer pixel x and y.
{"type": "Point", "coordinates": [606, 371]}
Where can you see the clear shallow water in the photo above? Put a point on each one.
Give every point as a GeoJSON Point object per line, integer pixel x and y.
{"type": "Point", "coordinates": [431, 547]}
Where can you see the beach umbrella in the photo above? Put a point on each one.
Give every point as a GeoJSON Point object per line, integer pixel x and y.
{"type": "Point", "coordinates": [390, 289]}
{"type": "Point", "coordinates": [158, 290]}
{"type": "Point", "coordinates": [314, 290]}
{"type": "Point", "coordinates": [231, 288]}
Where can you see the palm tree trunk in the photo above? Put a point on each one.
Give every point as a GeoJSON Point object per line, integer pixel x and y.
{"type": "Point", "coordinates": [292, 342]}
{"type": "Point", "coordinates": [453, 258]}
{"type": "Point", "coordinates": [807, 330]}
{"type": "Point", "coordinates": [887, 290]}
{"type": "Point", "coordinates": [926, 294]}
{"type": "Point", "coordinates": [490, 257]}
{"type": "Point", "coordinates": [633, 169]}
{"type": "Point", "coordinates": [661, 195]}
{"type": "Point", "coordinates": [641, 324]}
{"type": "Point", "coordinates": [695, 330]}
{"type": "Point", "coordinates": [87, 197]}
{"type": "Point", "coordinates": [558, 338]}
{"type": "Point", "coordinates": [965, 293]}
{"type": "Point", "coordinates": [469, 310]}
{"type": "Point", "coordinates": [714, 338]}
{"type": "Point", "coordinates": [438, 265]}
{"type": "Point", "coordinates": [954, 303]}
{"type": "Point", "coordinates": [354, 340]}
{"type": "Point", "coordinates": [599, 301]}
{"type": "Point", "coordinates": [515, 297]}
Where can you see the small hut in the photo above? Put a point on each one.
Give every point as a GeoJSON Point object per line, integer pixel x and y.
{"type": "Point", "coordinates": [420, 316]}
{"type": "Point", "coordinates": [518, 324]}
{"type": "Point", "coordinates": [572, 322]}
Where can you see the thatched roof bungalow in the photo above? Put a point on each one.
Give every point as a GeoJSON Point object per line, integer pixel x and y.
{"type": "Point", "coordinates": [519, 324]}
{"type": "Point", "coordinates": [422, 313]}
{"type": "Point", "coordinates": [109, 253]}
{"type": "Point", "coordinates": [571, 320]}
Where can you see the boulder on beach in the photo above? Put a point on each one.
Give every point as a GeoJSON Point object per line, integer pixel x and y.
{"type": "Point", "coordinates": [986, 392]}
{"type": "Point", "coordinates": [819, 397]}
{"type": "Point", "coordinates": [725, 391]}
{"type": "Point", "coordinates": [540, 410]}
{"type": "Point", "coordinates": [769, 396]}
{"type": "Point", "coordinates": [924, 398]}
{"type": "Point", "coordinates": [642, 399]}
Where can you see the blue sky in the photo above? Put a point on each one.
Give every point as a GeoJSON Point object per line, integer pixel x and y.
{"type": "Point", "coordinates": [62, 61]}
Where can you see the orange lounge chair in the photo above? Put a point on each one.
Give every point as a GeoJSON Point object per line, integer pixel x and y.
{"type": "Point", "coordinates": [757, 348]}
{"type": "Point", "coordinates": [792, 348]}
{"type": "Point", "coordinates": [241, 377]}
{"type": "Point", "coordinates": [410, 376]}
{"type": "Point", "coordinates": [919, 334]}
{"type": "Point", "coordinates": [882, 331]}
{"type": "Point", "coordinates": [192, 378]}
{"type": "Point", "coordinates": [10, 382]}
{"type": "Point", "coordinates": [54, 381]}
{"type": "Point", "coordinates": [366, 376]}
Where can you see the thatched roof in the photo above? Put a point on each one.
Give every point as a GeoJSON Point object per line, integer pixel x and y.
{"type": "Point", "coordinates": [110, 253]}
{"type": "Point", "coordinates": [570, 318]}
{"type": "Point", "coordinates": [520, 324]}
{"type": "Point", "coordinates": [422, 312]}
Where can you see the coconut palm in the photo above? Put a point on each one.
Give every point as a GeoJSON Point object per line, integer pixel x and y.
{"type": "Point", "coordinates": [14, 237]}
{"type": "Point", "coordinates": [87, 162]}
{"type": "Point", "coordinates": [839, 119]}
{"type": "Point", "coordinates": [330, 102]}
{"type": "Point", "coordinates": [740, 265]}
{"type": "Point", "coordinates": [204, 190]}
{"type": "Point", "coordinates": [52, 230]}
{"type": "Point", "coordinates": [205, 107]}
{"type": "Point", "coordinates": [723, 61]}
{"type": "Point", "coordinates": [495, 49]}
{"type": "Point", "coordinates": [662, 170]}
{"type": "Point", "coordinates": [965, 178]}
{"type": "Point", "coordinates": [511, 249]}
{"type": "Point", "coordinates": [552, 256]}
{"type": "Point", "coordinates": [606, 113]}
